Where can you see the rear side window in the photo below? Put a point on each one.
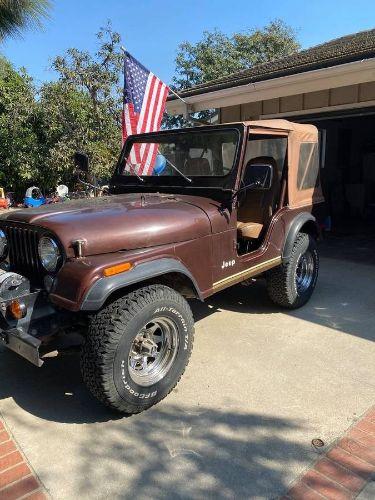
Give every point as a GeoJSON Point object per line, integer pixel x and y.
{"type": "Point", "coordinates": [308, 166]}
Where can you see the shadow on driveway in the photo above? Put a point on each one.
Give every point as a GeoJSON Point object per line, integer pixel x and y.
{"type": "Point", "coordinates": [177, 452]}
{"type": "Point", "coordinates": [54, 392]}
{"type": "Point", "coordinates": [170, 451]}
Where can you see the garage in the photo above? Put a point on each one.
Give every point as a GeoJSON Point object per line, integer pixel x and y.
{"type": "Point", "coordinates": [347, 144]}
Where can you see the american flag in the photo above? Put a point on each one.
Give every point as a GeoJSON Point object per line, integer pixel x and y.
{"type": "Point", "coordinates": [144, 103]}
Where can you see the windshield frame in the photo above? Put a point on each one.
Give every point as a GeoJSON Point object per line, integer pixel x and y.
{"type": "Point", "coordinates": [216, 182]}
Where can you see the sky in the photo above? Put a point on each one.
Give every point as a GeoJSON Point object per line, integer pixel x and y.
{"type": "Point", "coordinates": [152, 29]}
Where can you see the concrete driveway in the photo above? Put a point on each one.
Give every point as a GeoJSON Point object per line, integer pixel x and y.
{"type": "Point", "coordinates": [261, 385]}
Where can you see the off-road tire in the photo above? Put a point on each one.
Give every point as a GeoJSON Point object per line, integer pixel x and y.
{"type": "Point", "coordinates": [281, 281]}
{"type": "Point", "coordinates": [110, 336]}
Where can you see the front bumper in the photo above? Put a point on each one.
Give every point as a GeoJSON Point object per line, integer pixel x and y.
{"type": "Point", "coordinates": [23, 344]}
{"type": "Point", "coordinates": [25, 336]}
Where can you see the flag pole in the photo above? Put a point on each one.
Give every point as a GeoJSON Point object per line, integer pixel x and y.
{"type": "Point", "coordinates": [186, 110]}
{"type": "Point", "coordinates": [178, 97]}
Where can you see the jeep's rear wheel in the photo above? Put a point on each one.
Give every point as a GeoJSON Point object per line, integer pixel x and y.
{"type": "Point", "coordinates": [292, 284]}
{"type": "Point", "coordinates": [137, 348]}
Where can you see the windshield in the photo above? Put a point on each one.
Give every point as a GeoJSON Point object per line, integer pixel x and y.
{"type": "Point", "coordinates": [187, 154]}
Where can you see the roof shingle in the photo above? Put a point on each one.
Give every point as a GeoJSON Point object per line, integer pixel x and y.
{"type": "Point", "coordinates": [342, 50]}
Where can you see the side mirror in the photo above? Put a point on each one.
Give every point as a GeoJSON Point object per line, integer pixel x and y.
{"type": "Point", "coordinates": [258, 176]}
{"type": "Point", "coordinates": [81, 161]}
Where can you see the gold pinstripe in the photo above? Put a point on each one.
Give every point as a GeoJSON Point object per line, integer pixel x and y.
{"type": "Point", "coordinates": [248, 272]}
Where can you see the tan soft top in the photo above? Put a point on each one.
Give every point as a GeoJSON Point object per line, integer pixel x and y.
{"type": "Point", "coordinates": [279, 124]}
{"type": "Point", "coordinates": [298, 133]}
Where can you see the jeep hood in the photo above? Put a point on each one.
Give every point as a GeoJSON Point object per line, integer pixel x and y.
{"type": "Point", "coordinates": [121, 222]}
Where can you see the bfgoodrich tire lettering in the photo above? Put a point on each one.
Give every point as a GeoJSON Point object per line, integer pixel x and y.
{"type": "Point", "coordinates": [110, 356]}
{"type": "Point", "coordinates": [292, 284]}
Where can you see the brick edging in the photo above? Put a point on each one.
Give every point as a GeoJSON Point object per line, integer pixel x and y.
{"type": "Point", "coordinates": [344, 470]}
{"type": "Point", "coordinates": [17, 479]}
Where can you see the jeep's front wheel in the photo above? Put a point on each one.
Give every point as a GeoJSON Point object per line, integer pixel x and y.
{"type": "Point", "coordinates": [137, 348]}
{"type": "Point", "coordinates": [292, 284]}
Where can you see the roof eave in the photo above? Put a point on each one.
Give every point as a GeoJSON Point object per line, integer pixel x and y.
{"type": "Point", "coordinates": [339, 75]}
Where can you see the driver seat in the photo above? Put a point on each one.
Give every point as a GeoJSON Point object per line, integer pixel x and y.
{"type": "Point", "coordinates": [259, 205]}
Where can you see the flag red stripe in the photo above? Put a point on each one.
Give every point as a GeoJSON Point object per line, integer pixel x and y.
{"type": "Point", "coordinates": [162, 107]}
{"type": "Point", "coordinates": [144, 108]}
{"type": "Point", "coordinates": [155, 125]}
{"type": "Point", "coordinates": [155, 107]}
{"type": "Point", "coordinates": [146, 162]}
{"type": "Point", "coordinates": [159, 119]}
{"type": "Point", "coordinates": [153, 149]}
{"type": "Point", "coordinates": [148, 103]}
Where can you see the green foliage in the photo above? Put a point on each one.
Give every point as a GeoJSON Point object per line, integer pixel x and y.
{"type": "Point", "coordinates": [83, 109]}
{"type": "Point", "coordinates": [258, 46]}
{"type": "Point", "coordinates": [218, 55]}
{"type": "Point", "coordinates": [98, 75]}
{"type": "Point", "coordinates": [40, 131]}
{"type": "Point", "coordinates": [72, 122]}
{"type": "Point", "coordinates": [20, 151]}
{"type": "Point", "coordinates": [18, 15]}
{"type": "Point", "coordinates": [65, 114]}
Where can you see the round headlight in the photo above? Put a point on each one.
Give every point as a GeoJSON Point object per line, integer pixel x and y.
{"type": "Point", "coordinates": [49, 253]}
{"type": "Point", "coordinates": [3, 244]}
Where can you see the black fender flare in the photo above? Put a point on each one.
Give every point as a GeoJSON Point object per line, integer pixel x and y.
{"type": "Point", "coordinates": [105, 287]}
{"type": "Point", "coordinates": [294, 228]}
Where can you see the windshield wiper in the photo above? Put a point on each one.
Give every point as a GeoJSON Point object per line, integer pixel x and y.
{"type": "Point", "coordinates": [169, 162]}
{"type": "Point", "coordinates": [175, 168]}
{"type": "Point", "coordinates": [134, 171]}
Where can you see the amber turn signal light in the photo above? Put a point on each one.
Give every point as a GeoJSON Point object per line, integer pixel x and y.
{"type": "Point", "coordinates": [17, 309]}
{"type": "Point", "coordinates": [117, 269]}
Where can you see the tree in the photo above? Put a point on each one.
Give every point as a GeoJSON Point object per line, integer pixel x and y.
{"type": "Point", "coordinates": [218, 54]}
{"type": "Point", "coordinates": [97, 75]}
{"type": "Point", "coordinates": [20, 152]}
{"type": "Point", "coordinates": [18, 15]}
{"type": "Point", "coordinates": [40, 129]}
{"type": "Point", "coordinates": [83, 109]}
{"type": "Point", "coordinates": [69, 122]}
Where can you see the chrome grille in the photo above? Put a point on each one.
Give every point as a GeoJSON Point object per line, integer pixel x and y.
{"type": "Point", "coordinates": [23, 250]}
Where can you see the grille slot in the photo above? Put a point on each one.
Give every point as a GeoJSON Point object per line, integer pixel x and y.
{"type": "Point", "coordinates": [23, 251]}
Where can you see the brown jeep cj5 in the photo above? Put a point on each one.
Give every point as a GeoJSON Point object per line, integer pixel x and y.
{"type": "Point", "coordinates": [220, 204]}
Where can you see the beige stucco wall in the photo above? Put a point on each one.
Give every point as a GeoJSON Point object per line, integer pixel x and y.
{"type": "Point", "coordinates": [350, 94]}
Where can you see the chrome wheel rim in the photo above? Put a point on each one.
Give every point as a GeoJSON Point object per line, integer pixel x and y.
{"type": "Point", "coordinates": [153, 351]}
{"type": "Point", "coordinates": [304, 272]}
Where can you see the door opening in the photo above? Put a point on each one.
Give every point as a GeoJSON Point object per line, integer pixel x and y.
{"type": "Point", "coordinates": [256, 206]}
